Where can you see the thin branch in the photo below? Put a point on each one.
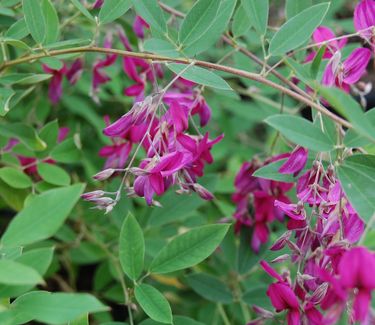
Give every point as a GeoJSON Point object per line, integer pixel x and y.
{"type": "Point", "coordinates": [204, 64]}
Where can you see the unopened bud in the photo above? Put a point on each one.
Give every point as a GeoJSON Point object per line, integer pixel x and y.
{"type": "Point", "coordinates": [319, 294]}
{"type": "Point", "coordinates": [203, 192]}
{"type": "Point", "coordinates": [280, 243]}
{"type": "Point", "coordinates": [262, 312]}
{"type": "Point", "coordinates": [104, 174]}
{"type": "Point", "coordinates": [92, 195]}
{"type": "Point", "coordinates": [281, 258]}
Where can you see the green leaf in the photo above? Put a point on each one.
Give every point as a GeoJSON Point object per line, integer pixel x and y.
{"type": "Point", "coordinates": [153, 303]}
{"type": "Point", "coordinates": [82, 9]}
{"type": "Point", "coordinates": [241, 23]}
{"type": "Point", "coordinates": [161, 47]}
{"type": "Point", "coordinates": [14, 273]}
{"type": "Point", "coordinates": [113, 9]}
{"type": "Point", "coordinates": [354, 139]}
{"type": "Point", "coordinates": [314, 69]}
{"type": "Point", "coordinates": [34, 18]}
{"type": "Point", "coordinates": [39, 260]}
{"type": "Point", "coordinates": [210, 288]}
{"type": "Point", "coordinates": [346, 105]}
{"type": "Point", "coordinates": [271, 171]}
{"type": "Point", "coordinates": [49, 133]}
{"type": "Point", "coordinates": [257, 296]}
{"type": "Point", "coordinates": [357, 177]}
{"type": "Point", "coordinates": [66, 152]}
{"type": "Point", "coordinates": [42, 217]}
{"type": "Point", "coordinates": [6, 95]}
{"type": "Point", "coordinates": [26, 134]}
{"type": "Point", "coordinates": [132, 247]}
{"type": "Point", "coordinates": [189, 249]}
{"type": "Point", "coordinates": [200, 76]}
{"type": "Point", "coordinates": [294, 7]}
{"type": "Point", "coordinates": [214, 31]}
{"type": "Point", "coordinates": [55, 308]}
{"type": "Point", "coordinates": [151, 12]}
{"type": "Point", "coordinates": [53, 174]}
{"type": "Point", "coordinates": [18, 30]}
{"type": "Point", "coordinates": [23, 78]}
{"type": "Point", "coordinates": [177, 320]}
{"type": "Point", "coordinates": [257, 12]}
{"type": "Point", "coordinates": [197, 21]}
{"type": "Point", "coordinates": [15, 43]}
{"type": "Point", "coordinates": [51, 22]}
{"type": "Point", "coordinates": [15, 178]}
{"type": "Point", "coordinates": [298, 29]}
{"type": "Point", "coordinates": [300, 131]}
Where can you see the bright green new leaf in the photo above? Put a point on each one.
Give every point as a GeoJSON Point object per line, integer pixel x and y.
{"type": "Point", "coordinates": [298, 29]}
{"type": "Point", "coordinates": [55, 308]}
{"type": "Point", "coordinates": [113, 9]}
{"type": "Point", "coordinates": [38, 259]}
{"type": "Point", "coordinates": [189, 249]}
{"type": "Point", "coordinates": [15, 177]}
{"type": "Point", "coordinates": [42, 217]}
{"type": "Point", "coordinates": [357, 177]}
{"type": "Point", "coordinates": [197, 21]}
{"type": "Point", "coordinates": [15, 273]}
{"type": "Point", "coordinates": [200, 76]}
{"type": "Point", "coordinates": [53, 174]}
{"type": "Point", "coordinates": [151, 12]}
{"type": "Point", "coordinates": [257, 12]}
{"type": "Point", "coordinates": [301, 131]}
{"type": "Point", "coordinates": [153, 303]}
{"type": "Point", "coordinates": [132, 247]}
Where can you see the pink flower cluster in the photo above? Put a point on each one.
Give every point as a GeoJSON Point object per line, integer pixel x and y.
{"type": "Point", "coordinates": [322, 229]}
{"type": "Point", "coordinates": [346, 73]}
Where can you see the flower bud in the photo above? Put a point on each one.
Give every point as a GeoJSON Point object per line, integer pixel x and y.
{"type": "Point", "coordinates": [92, 195]}
{"type": "Point", "coordinates": [319, 294]}
{"type": "Point", "coordinates": [203, 192]}
{"type": "Point", "coordinates": [262, 312]}
{"type": "Point", "coordinates": [281, 258]}
{"type": "Point", "coordinates": [280, 243]}
{"type": "Point", "coordinates": [104, 174]}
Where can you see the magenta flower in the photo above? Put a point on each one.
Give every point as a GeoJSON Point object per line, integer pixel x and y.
{"type": "Point", "coordinates": [99, 76]}
{"type": "Point", "coordinates": [322, 35]}
{"type": "Point", "coordinates": [139, 26]}
{"type": "Point", "coordinates": [75, 71]}
{"type": "Point", "coordinates": [296, 162]}
{"type": "Point", "coordinates": [356, 270]}
{"type": "Point", "coordinates": [159, 174]}
{"type": "Point", "coordinates": [97, 4]}
{"type": "Point", "coordinates": [55, 86]}
{"type": "Point", "coordinates": [282, 296]}
{"type": "Point", "coordinates": [347, 73]}
{"type": "Point", "coordinates": [364, 19]}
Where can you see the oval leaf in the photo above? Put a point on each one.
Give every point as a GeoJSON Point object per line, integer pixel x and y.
{"type": "Point", "coordinates": [14, 273]}
{"type": "Point", "coordinates": [300, 131]}
{"type": "Point", "coordinates": [189, 249]}
{"type": "Point", "coordinates": [151, 12]}
{"type": "Point", "coordinates": [357, 177]}
{"type": "Point", "coordinates": [200, 76]}
{"type": "Point", "coordinates": [298, 29]}
{"type": "Point", "coordinates": [42, 217]}
{"type": "Point", "coordinates": [132, 247]}
{"type": "Point", "coordinates": [15, 178]}
{"type": "Point", "coordinates": [113, 9]}
{"type": "Point", "coordinates": [53, 174]}
{"type": "Point", "coordinates": [34, 18]}
{"type": "Point", "coordinates": [153, 303]}
{"type": "Point", "coordinates": [257, 12]}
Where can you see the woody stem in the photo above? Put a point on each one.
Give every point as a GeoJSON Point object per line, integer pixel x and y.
{"type": "Point", "coordinates": [204, 64]}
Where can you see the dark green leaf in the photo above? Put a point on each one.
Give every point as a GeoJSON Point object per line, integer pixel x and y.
{"type": "Point", "coordinates": [189, 249]}
{"type": "Point", "coordinates": [153, 303]}
{"type": "Point", "coordinates": [132, 247]}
